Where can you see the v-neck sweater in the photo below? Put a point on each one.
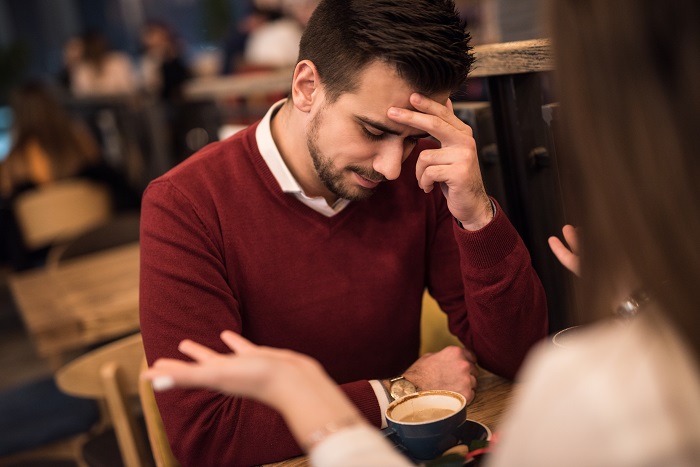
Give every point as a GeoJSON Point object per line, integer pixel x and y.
{"type": "Point", "coordinates": [223, 247]}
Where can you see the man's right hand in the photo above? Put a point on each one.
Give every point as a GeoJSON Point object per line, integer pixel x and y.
{"type": "Point", "coordinates": [453, 368]}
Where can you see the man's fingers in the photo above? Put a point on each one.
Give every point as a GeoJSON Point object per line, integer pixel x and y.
{"type": "Point", "coordinates": [443, 112]}
{"type": "Point", "coordinates": [431, 117]}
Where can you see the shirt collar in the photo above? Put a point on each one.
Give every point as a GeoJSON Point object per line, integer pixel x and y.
{"type": "Point", "coordinates": [270, 153]}
{"type": "Point", "coordinates": [273, 159]}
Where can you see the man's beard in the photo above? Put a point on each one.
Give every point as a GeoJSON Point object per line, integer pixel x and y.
{"type": "Point", "coordinates": [332, 178]}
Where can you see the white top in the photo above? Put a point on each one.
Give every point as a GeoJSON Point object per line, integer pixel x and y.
{"type": "Point", "coordinates": [619, 396]}
{"type": "Point", "coordinates": [117, 77]}
{"type": "Point", "coordinates": [275, 44]}
{"type": "Point", "coordinates": [359, 445]}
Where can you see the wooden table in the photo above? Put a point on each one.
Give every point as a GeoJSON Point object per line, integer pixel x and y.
{"type": "Point", "coordinates": [493, 395]}
{"type": "Point", "coordinates": [82, 301]}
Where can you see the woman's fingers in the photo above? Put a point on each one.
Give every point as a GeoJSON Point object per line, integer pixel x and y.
{"type": "Point", "coordinates": [196, 351]}
{"type": "Point", "coordinates": [571, 237]}
{"type": "Point", "coordinates": [568, 259]}
{"type": "Point", "coordinates": [237, 343]}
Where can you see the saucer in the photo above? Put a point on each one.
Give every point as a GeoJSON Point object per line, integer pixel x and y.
{"type": "Point", "coordinates": [472, 430]}
{"type": "Point", "coordinates": [470, 433]}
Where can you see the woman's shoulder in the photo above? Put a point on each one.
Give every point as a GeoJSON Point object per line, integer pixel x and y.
{"type": "Point", "coordinates": [606, 399]}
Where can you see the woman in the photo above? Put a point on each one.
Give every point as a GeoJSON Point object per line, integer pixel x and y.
{"type": "Point", "coordinates": [47, 144]}
{"type": "Point", "coordinates": [102, 71]}
{"type": "Point", "coordinates": [626, 394]}
{"type": "Point", "coordinates": [630, 394]}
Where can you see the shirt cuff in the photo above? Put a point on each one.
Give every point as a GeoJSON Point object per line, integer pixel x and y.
{"type": "Point", "coordinates": [380, 392]}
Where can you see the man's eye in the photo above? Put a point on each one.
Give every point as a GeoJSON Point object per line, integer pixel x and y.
{"type": "Point", "coordinates": [372, 136]}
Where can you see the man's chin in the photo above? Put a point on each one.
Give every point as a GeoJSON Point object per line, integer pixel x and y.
{"type": "Point", "coordinates": [357, 193]}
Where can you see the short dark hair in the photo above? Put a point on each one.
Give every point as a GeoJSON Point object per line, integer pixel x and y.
{"type": "Point", "coordinates": [425, 40]}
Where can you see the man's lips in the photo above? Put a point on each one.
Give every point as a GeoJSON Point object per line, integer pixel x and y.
{"type": "Point", "coordinates": [365, 182]}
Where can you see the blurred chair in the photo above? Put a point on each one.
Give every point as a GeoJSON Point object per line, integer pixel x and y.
{"type": "Point", "coordinates": [59, 211]}
{"type": "Point", "coordinates": [111, 373]}
{"type": "Point", "coordinates": [160, 446]}
{"type": "Point", "coordinates": [435, 334]}
{"type": "Point", "coordinates": [119, 230]}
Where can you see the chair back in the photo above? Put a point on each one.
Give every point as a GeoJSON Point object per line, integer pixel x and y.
{"type": "Point", "coordinates": [435, 334]}
{"type": "Point", "coordinates": [111, 373]}
{"type": "Point", "coordinates": [60, 210]}
{"type": "Point", "coordinates": [117, 231]}
{"type": "Point", "coordinates": [160, 446]}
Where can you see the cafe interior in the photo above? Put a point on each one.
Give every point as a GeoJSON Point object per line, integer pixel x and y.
{"type": "Point", "coordinates": [70, 347]}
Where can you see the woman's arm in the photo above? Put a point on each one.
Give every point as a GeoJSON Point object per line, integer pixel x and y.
{"type": "Point", "coordinates": [292, 383]}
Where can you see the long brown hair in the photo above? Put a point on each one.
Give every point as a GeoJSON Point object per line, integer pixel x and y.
{"type": "Point", "coordinates": [628, 74]}
{"type": "Point", "coordinates": [39, 118]}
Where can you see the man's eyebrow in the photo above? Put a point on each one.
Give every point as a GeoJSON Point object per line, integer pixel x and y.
{"type": "Point", "coordinates": [385, 129]}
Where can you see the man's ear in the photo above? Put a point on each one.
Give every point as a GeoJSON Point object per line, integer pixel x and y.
{"type": "Point", "coordinates": [305, 85]}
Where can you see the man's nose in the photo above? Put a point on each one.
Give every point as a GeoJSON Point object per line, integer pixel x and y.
{"type": "Point", "coordinates": [389, 159]}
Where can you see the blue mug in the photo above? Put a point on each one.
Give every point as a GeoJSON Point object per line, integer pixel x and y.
{"type": "Point", "coordinates": [427, 422]}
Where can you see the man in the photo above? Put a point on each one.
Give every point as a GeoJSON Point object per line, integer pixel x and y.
{"type": "Point", "coordinates": [303, 232]}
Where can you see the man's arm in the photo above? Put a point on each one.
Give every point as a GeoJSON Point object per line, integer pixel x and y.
{"type": "Point", "coordinates": [501, 310]}
{"type": "Point", "coordinates": [505, 302]}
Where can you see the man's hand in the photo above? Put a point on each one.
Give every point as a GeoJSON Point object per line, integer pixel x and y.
{"type": "Point", "coordinates": [454, 165]}
{"type": "Point", "coordinates": [452, 368]}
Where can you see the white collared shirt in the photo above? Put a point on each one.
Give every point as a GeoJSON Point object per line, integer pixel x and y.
{"type": "Point", "coordinates": [273, 159]}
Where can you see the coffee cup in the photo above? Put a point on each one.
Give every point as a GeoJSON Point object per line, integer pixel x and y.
{"type": "Point", "coordinates": [427, 422]}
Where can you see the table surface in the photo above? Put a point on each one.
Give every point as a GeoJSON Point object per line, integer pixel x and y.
{"type": "Point", "coordinates": [80, 302]}
{"type": "Point", "coordinates": [493, 395]}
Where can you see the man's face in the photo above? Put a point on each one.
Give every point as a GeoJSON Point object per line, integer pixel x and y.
{"type": "Point", "coordinates": [354, 146]}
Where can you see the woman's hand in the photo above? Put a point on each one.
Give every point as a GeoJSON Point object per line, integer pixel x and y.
{"type": "Point", "coordinates": [292, 383]}
{"type": "Point", "coordinates": [568, 258]}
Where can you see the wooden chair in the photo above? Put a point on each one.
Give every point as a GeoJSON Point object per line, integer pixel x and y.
{"type": "Point", "coordinates": [111, 373]}
{"type": "Point", "coordinates": [160, 446]}
{"type": "Point", "coordinates": [119, 230]}
{"type": "Point", "coordinates": [60, 210]}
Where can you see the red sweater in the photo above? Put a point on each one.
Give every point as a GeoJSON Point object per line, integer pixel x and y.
{"type": "Point", "coordinates": [222, 247]}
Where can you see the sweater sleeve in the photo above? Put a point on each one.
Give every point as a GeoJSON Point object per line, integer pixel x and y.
{"type": "Point", "coordinates": [184, 293]}
{"type": "Point", "coordinates": [500, 309]}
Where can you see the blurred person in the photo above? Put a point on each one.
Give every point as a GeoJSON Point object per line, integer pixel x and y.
{"type": "Point", "coordinates": [627, 393]}
{"type": "Point", "coordinates": [234, 45]}
{"type": "Point", "coordinates": [72, 54]}
{"type": "Point", "coordinates": [163, 70]}
{"type": "Point", "coordinates": [303, 231]}
{"type": "Point", "coordinates": [300, 10]}
{"type": "Point", "coordinates": [102, 71]}
{"type": "Point", "coordinates": [273, 43]}
{"type": "Point", "coordinates": [49, 145]}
